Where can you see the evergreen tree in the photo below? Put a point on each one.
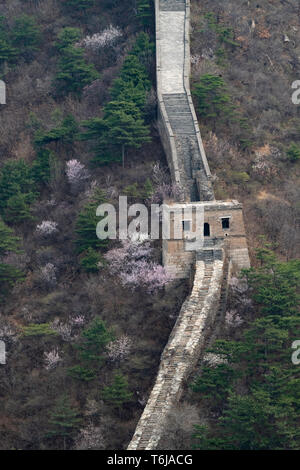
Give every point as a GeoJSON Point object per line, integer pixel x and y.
{"type": "Point", "coordinates": [117, 394]}
{"type": "Point", "coordinates": [18, 209]}
{"type": "Point", "coordinates": [41, 167]}
{"type": "Point", "coordinates": [144, 12]}
{"type": "Point", "coordinates": [64, 421]}
{"type": "Point", "coordinates": [266, 414]}
{"type": "Point", "coordinates": [15, 177]}
{"type": "Point", "coordinates": [86, 224]}
{"type": "Point", "coordinates": [9, 275]}
{"type": "Point", "coordinates": [65, 133]}
{"type": "Point", "coordinates": [211, 97]}
{"type": "Point", "coordinates": [26, 34]}
{"type": "Point", "coordinates": [89, 262]}
{"type": "Point", "coordinates": [125, 126]}
{"type": "Point", "coordinates": [73, 72]}
{"type": "Point", "coordinates": [67, 37]}
{"type": "Point", "coordinates": [94, 340]}
{"type": "Point", "coordinates": [8, 242]}
{"type": "Point", "coordinates": [7, 52]}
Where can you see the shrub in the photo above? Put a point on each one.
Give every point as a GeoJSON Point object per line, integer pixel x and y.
{"type": "Point", "coordinates": [117, 394]}
{"type": "Point", "coordinates": [41, 329]}
{"type": "Point", "coordinates": [293, 152]}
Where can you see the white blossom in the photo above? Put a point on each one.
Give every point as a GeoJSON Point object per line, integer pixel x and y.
{"type": "Point", "coordinates": [48, 274]}
{"type": "Point", "coordinates": [76, 173]}
{"type": "Point", "coordinates": [47, 228]}
{"type": "Point", "coordinates": [213, 360]}
{"type": "Point", "coordinates": [63, 329]}
{"type": "Point", "coordinates": [120, 348]}
{"type": "Point", "coordinates": [52, 358]}
{"type": "Point", "coordinates": [98, 40]}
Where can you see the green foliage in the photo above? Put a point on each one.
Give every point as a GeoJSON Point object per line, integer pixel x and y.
{"type": "Point", "coordinates": [82, 373]}
{"type": "Point", "coordinates": [78, 5]}
{"type": "Point", "coordinates": [93, 341]}
{"type": "Point", "coordinates": [8, 53]}
{"type": "Point", "coordinates": [15, 178]}
{"type": "Point", "coordinates": [65, 133]}
{"type": "Point", "coordinates": [86, 225]}
{"type": "Point", "coordinates": [89, 262]}
{"type": "Point", "coordinates": [266, 414]}
{"type": "Point", "coordinates": [240, 177]}
{"type": "Point", "coordinates": [144, 12]}
{"type": "Point", "coordinates": [293, 152]}
{"type": "Point", "coordinates": [67, 37]}
{"type": "Point", "coordinates": [9, 275]}
{"type": "Point", "coordinates": [134, 191]}
{"type": "Point", "coordinates": [225, 33]}
{"type": "Point", "coordinates": [212, 97]}
{"type": "Point", "coordinates": [17, 209]}
{"type": "Point", "coordinates": [123, 122]}
{"type": "Point", "coordinates": [73, 72]}
{"type": "Point", "coordinates": [38, 329]}
{"type": "Point", "coordinates": [117, 394]}
{"type": "Point", "coordinates": [19, 41]}
{"type": "Point", "coordinates": [26, 34]}
{"type": "Point", "coordinates": [8, 242]}
{"type": "Point", "coordinates": [40, 169]}
{"type": "Point", "coordinates": [214, 383]}
{"type": "Point", "coordinates": [64, 420]}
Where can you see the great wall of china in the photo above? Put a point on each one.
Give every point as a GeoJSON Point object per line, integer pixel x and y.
{"type": "Point", "coordinates": [225, 246]}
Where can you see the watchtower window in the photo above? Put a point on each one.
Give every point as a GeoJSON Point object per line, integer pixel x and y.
{"type": "Point", "coordinates": [206, 230]}
{"type": "Point", "coordinates": [225, 223]}
{"type": "Point", "coordinates": [186, 225]}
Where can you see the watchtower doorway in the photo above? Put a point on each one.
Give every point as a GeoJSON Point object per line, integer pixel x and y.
{"type": "Point", "coordinates": [206, 230]}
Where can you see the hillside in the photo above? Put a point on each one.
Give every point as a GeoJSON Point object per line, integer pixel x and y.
{"type": "Point", "coordinates": [85, 321]}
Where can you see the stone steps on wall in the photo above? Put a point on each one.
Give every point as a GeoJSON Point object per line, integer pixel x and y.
{"type": "Point", "coordinates": [172, 5]}
{"type": "Point", "coordinates": [179, 353]}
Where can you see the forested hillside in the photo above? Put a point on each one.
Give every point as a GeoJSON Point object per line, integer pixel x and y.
{"type": "Point", "coordinates": [84, 320]}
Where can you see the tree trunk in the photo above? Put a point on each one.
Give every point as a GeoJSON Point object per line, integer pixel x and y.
{"type": "Point", "coordinates": [123, 156]}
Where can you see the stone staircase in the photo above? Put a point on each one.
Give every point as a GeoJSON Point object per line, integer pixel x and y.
{"type": "Point", "coordinates": [172, 5]}
{"type": "Point", "coordinates": [182, 350]}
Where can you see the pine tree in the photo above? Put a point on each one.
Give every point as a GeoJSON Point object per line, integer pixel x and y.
{"type": "Point", "coordinates": [65, 133]}
{"type": "Point", "coordinates": [212, 97]}
{"type": "Point", "coordinates": [18, 209]}
{"type": "Point", "coordinates": [94, 340]}
{"type": "Point", "coordinates": [26, 34]}
{"type": "Point", "coordinates": [9, 275]}
{"type": "Point", "coordinates": [86, 224]}
{"type": "Point", "coordinates": [64, 421]}
{"type": "Point", "coordinates": [15, 177]}
{"type": "Point", "coordinates": [125, 126]}
{"type": "Point", "coordinates": [40, 169]}
{"type": "Point", "coordinates": [89, 262]}
{"type": "Point", "coordinates": [67, 37]}
{"type": "Point", "coordinates": [73, 72]}
{"type": "Point", "coordinates": [144, 12]}
{"type": "Point", "coordinates": [117, 394]}
{"type": "Point", "coordinates": [8, 242]}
